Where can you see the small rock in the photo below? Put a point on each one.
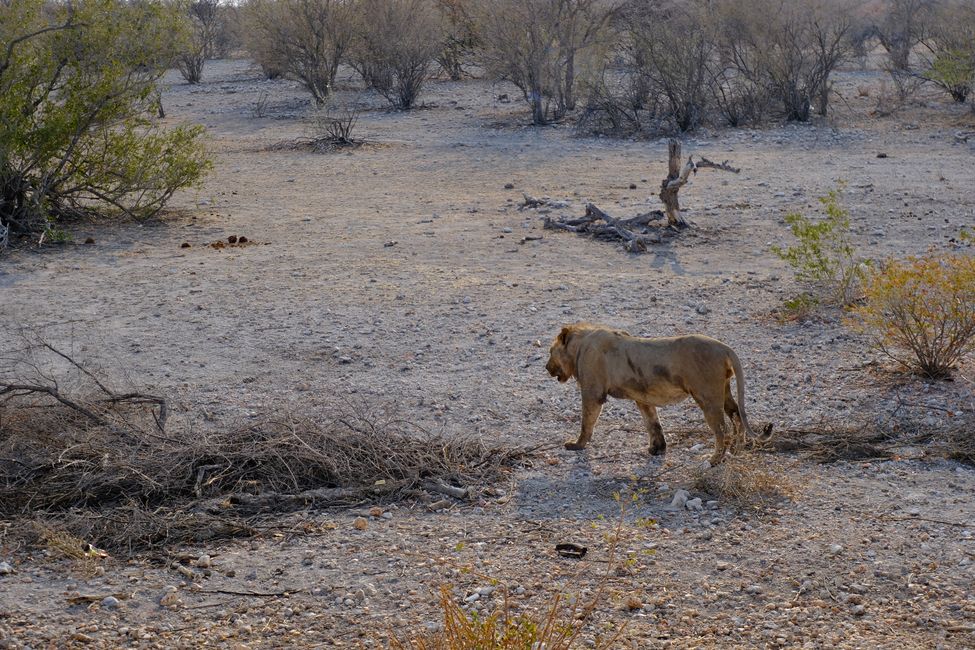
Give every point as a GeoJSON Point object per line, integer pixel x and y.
{"type": "Point", "coordinates": [835, 549]}
{"type": "Point", "coordinates": [754, 590]}
{"type": "Point", "coordinates": [360, 523]}
{"type": "Point", "coordinates": [859, 610]}
{"type": "Point", "coordinates": [203, 561]}
{"type": "Point", "coordinates": [345, 360]}
{"type": "Point", "coordinates": [110, 602]}
{"type": "Point", "coordinates": [694, 504]}
{"type": "Point", "coordinates": [702, 310]}
{"type": "Point", "coordinates": [506, 230]}
{"type": "Point", "coordinates": [680, 499]}
{"type": "Point", "coordinates": [5, 569]}
{"type": "Point", "coordinates": [509, 186]}
{"type": "Point", "coordinates": [89, 240]}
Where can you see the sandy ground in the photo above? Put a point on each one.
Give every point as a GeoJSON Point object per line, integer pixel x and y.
{"type": "Point", "coordinates": [396, 272]}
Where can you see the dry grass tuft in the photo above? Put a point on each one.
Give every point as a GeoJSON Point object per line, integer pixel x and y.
{"type": "Point", "coordinates": [553, 630]}
{"type": "Point", "coordinates": [746, 480]}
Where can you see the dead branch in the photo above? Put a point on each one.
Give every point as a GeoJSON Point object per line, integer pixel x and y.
{"type": "Point", "coordinates": [636, 233]}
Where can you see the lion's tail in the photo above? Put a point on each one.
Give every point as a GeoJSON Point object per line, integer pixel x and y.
{"type": "Point", "coordinates": [740, 381]}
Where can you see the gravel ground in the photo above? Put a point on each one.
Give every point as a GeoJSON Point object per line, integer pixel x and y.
{"type": "Point", "coordinates": [396, 272]}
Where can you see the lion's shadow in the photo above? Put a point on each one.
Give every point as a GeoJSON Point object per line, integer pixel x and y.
{"type": "Point", "coordinates": [577, 492]}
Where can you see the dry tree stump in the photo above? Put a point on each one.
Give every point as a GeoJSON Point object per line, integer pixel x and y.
{"type": "Point", "coordinates": [637, 233]}
{"type": "Point", "coordinates": [677, 177]}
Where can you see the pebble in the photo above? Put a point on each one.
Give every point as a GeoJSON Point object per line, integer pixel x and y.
{"type": "Point", "coordinates": [694, 504]}
{"type": "Point", "coordinates": [360, 523]}
{"type": "Point", "coordinates": [835, 549]}
{"type": "Point", "coordinates": [754, 590]}
{"type": "Point", "coordinates": [5, 569]}
{"type": "Point", "coordinates": [203, 561]}
{"type": "Point", "coordinates": [110, 602]}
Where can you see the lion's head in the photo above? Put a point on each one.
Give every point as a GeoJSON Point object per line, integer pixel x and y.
{"type": "Point", "coordinates": [560, 362]}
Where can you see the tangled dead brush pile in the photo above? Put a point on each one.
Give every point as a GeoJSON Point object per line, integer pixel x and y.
{"type": "Point", "coordinates": [107, 470]}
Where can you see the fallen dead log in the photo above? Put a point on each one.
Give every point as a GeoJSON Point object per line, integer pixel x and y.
{"type": "Point", "coordinates": [635, 233]}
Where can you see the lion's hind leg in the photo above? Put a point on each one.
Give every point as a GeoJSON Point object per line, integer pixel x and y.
{"type": "Point", "coordinates": [734, 414]}
{"type": "Point", "coordinates": [658, 444]}
{"type": "Point", "coordinates": [714, 414]}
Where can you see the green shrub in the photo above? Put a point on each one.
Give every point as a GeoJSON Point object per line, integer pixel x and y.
{"type": "Point", "coordinates": [78, 82]}
{"type": "Point", "coordinates": [824, 257]}
{"type": "Point", "coordinates": [920, 311]}
{"type": "Point", "coordinates": [954, 71]}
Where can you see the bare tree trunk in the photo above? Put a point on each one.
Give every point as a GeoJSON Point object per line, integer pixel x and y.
{"type": "Point", "coordinates": [672, 184]}
{"type": "Point", "coordinates": [570, 79]}
{"type": "Point", "coordinates": [538, 107]}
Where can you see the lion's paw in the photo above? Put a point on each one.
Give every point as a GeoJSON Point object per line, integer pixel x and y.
{"type": "Point", "coordinates": [574, 446]}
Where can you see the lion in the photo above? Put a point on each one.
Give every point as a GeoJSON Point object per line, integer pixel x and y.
{"type": "Point", "coordinates": [652, 372]}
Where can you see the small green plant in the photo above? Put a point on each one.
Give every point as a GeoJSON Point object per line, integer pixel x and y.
{"type": "Point", "coordinates": [966, 236]}
{"type": "Point", "coordinates": [920, 311]}
{"type": "Point", "coordinates": [55, 234]}
{"type": "Point", "coordinates": [824, 256]}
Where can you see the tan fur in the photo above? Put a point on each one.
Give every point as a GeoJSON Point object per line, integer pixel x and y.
{"type": "Point", "coordinates": [651, 372]}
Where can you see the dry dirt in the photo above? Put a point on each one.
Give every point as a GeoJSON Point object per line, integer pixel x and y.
{"type": "Point", "coordinates": [397, 272]}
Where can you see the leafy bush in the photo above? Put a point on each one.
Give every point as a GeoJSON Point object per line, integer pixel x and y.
{"type": "Point", "coordinates": [920, 311]}
{"type": "Point", "coordinates": [824, 256]}
{"type": "Point", "coordinates": [77, 88]}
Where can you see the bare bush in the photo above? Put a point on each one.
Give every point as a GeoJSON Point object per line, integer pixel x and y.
{"type": "Point", "coordinates": [102, 465]}
{"type": "Point", "coordinates": [898, 93]}
{"type": "Point", "coordinates": [672, 46]}
{"type": "Point", "coordinates": [615, 107]}
{"type": "Point", "coordinates": [204, 27]}
{"type": "Point", "coordinates": [303, 39]}
{"type": "Point", "coordinates": [458, 37]}
{"type": "Point", "coordinates": [334, 128]}
{"type": "Point", "coordinates": [901, 26]}
{"type": "Point", "coordinates": [396, 45]}
{"type": "Point", "coordinates": [542, 46]}
{"type": "Point", "coordinates": [790, 47]}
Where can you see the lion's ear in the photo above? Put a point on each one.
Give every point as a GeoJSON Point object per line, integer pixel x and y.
{"type": "Point", "coordinates": [564, 335]}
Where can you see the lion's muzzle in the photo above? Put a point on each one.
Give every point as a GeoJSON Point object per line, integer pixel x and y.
{"type": "Point", "coordinates": [555, 370]}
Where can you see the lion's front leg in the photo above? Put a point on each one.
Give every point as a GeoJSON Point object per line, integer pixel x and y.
{"type": "Point", "coordinates": [591, 408]}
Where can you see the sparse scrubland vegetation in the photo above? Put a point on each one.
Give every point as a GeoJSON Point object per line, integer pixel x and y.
{"type": "Point", "coordinates": [281, 381]}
